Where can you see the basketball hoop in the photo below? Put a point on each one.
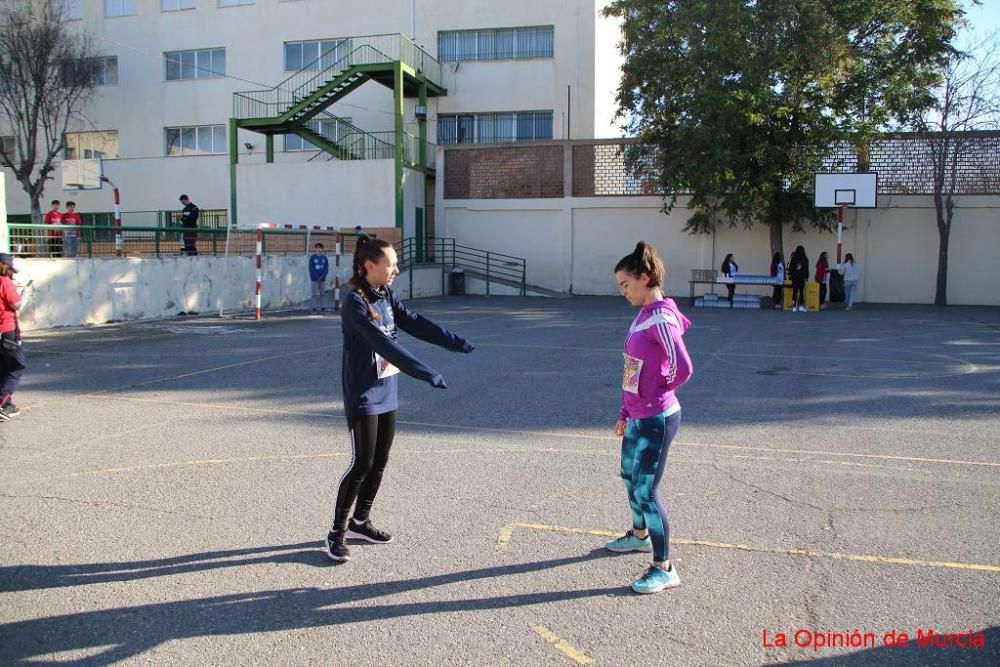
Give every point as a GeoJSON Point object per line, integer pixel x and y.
{"type": "Point", "coordinates": [843, 191]}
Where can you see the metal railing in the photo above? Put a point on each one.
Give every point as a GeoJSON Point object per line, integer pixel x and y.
{"type": "Point", "coordinates": [100, 241]}
{"type": "Point", "coordinates": [493, 267]}
{"type": "Point", "coordinates": [366, 50]}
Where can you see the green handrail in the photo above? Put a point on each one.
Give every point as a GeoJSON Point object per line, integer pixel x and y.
{"type": "Point", "coordinates": [364, 50]}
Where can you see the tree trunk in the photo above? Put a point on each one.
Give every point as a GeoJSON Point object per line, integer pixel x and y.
{"type": "Point", "coordinates": [944, 232]}
{"type": "Point", "coordinates": [776, 229]}
{"type": "Point", "coordinates": [36, 211]}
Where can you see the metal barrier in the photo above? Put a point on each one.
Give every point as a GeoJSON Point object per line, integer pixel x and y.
{"type": "Point", "coordinates": [493, 267]}
{"type": "Point", "coordinates": [95, 241]}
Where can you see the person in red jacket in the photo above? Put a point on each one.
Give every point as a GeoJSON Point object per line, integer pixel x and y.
{"type": "Point", "coordinates": [71, 238]}
{"type": "Point", "coordinates": [11, 356]}
{"type": "Point", "coordinates": [822, 269]}
{"type": "Point", "coordinates": [53, 217]}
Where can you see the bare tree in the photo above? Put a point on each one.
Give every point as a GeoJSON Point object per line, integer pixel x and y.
{"type": "Point", "coordinates": [967, 102]}
{"type": "Point", "coordinates": [47, 74]}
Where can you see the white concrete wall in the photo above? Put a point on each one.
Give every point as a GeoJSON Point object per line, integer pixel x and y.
{"type": "Point", "coordinates": [574, 243]}
{"type": "Point", "coordinates": [334, 192]}
{"type": "Point", "coordinates": [79, 292]}
{"type": "Point", "coordinates": [144, 103]}
{"type": "Point", "coordinates": [536, 229]}
{"type": "Point", "coordinates": [426, 282]}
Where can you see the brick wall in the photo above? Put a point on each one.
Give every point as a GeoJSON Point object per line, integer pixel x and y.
{"type": "Point", "coordinates": [507, 172]}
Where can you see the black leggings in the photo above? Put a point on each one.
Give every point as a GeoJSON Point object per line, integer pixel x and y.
{"type": "Point", "coordinates": [371, 438]}
{"type": "Point", "coordinates": [798, 292]}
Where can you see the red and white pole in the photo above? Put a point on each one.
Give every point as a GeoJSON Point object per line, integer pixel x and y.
{"type": "Point", "coordinates": [338, 241]}
{"type": "Point", "coordinates": [840, 229]}
{"type": "Point", "coordinates": [260, 266]}
{"type": "Point", "coordinates": [118, 216]}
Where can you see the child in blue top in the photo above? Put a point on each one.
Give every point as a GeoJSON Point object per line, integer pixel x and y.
{"type": "Point", "coordinates": [372, 360]}
{"type": "Point", "coordinates": [319, 267]}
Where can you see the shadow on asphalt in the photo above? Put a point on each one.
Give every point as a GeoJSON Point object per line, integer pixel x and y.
{"type": "Point", "coordinates": [129, 631]}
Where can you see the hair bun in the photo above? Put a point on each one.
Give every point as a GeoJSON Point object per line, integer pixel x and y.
{"type": "Point", "coordinates": [362, 240]}
{"type": "Point", "coordinates": [640, 249]}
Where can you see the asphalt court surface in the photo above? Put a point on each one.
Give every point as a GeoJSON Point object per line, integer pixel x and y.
{"type": "Point", "coordinates": [164, 494]}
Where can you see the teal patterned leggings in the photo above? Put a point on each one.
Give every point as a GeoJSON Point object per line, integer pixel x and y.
{"type": "Point", "coordinates": [644, 458]}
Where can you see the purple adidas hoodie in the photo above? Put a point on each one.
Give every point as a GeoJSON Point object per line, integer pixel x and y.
{"type": "Point", "coordinates": [656, 361]}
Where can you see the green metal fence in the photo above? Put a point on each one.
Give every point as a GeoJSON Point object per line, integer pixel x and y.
{"type": "Point", "coordinates": [94, 241]}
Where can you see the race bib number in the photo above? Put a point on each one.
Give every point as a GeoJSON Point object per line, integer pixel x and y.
{"type": "Point", "coordinates": [385, 369]}
{"type": "Point", "coordinates": [630, 374]}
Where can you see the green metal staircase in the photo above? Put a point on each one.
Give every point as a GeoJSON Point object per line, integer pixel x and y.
{"type": "Point", "coordinates": [286, 107]}
{"type": "Point", "coordinates": [390, 60]}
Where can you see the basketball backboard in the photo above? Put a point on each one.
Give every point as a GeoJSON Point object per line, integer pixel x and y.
{"type": "Point", "coordinates": [851, 190]}
{"type": "Point", "coordinates": [81, 174]}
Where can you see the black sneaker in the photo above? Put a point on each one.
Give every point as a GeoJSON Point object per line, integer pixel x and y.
{"type": "Point", "coordinates": [336, 549]}
{"type": "Point", "coordinates": [367, 532]}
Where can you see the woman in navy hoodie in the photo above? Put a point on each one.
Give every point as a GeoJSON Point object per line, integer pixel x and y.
{"type": "Point", "coordinates": [372, 359]}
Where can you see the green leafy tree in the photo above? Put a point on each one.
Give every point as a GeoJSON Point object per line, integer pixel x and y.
{"type": "Point", "coordinates": [738, 102]}
{"type": "Point", "coordinates": [47, 74]}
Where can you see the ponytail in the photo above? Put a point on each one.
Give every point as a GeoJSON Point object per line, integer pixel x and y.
{"type": "Point", "coordinates": [644, 259]}
{"type": "Point", "coordinates": [367, 249]}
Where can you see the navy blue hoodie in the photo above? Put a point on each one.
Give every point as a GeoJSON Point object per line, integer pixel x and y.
{"type": "Point", "coordinates": [369, 344]}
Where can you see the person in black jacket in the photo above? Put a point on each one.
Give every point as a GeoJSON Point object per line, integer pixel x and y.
{"type": "Point", "coordinates": [729, 269]}
{"type": "Point", "coordinates": [372, 360]}
{"type": "Point", "coordinates": [189, 219]}
{"type": "Point", "coordinates": [798, 273]}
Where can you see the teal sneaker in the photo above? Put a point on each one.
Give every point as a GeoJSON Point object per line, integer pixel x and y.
{"type": "Point", "coordinates": [655, 579]}
{"type": "Point", "coordinates": [629, 542]}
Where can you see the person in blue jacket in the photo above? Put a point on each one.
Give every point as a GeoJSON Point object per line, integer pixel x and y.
{"type": "Point", "coordinates": [372, 360]}
{"type": "Point", "coordinates": [319, 267]}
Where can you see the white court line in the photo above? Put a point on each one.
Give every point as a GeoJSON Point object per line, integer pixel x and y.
{"type": "Point", "coordinates": [217, 368]}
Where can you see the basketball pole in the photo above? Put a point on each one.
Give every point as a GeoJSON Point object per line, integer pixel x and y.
{"type": "Point", "coordinates": [840, 228]}
{"type": "Point", "coordinates": [118, 216]}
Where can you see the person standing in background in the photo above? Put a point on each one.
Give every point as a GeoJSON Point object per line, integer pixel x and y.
{"type": "Point", "coordinates": [822, 270]}
{"type": "Point", "coordinates": [778, 273]}
{"type": "Point", "coordinates": [71, 237]}
{"type": "Point", "coordinates": [319, 267]}
{"type": "Point", "coordinates": [798, 272]}
{"type": "Point", "coordinates": [53, 217]}
{"type": "Point", "coordinates": [852, 274]}
{"type": "Point", "coordinates": [729, 269]}
{"type": "Point", "coordinates": [189, 220]}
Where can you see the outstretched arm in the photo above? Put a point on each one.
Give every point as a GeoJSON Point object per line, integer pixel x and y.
{"type": "Point", "coordinates": [420, 327]}
{"type": "Point", "coordinates": [356, 320]}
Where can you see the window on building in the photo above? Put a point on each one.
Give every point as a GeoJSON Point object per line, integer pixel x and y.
{"type": "Point", "coordinates": [496, 44]}
{"type": "Point", "coordinates": [331, 129]}
{"type": "Point", "coordinates": [113, 8]}
{"type": "Point", "coordinates": [8, 145]}
{"type": "Point", "coordinates": [489, 128]}
{"type": "Point", "coordinates": [176, 5]}
{"type": "Point", "coordinates": [233, 3]}
{"type": "Point", "coordinates": [104, 69]}
{"type": "Point", "coordinates": [202, 64]}
{"type": "Point", "coordinates": [203, 140]}
{"type": "Point", "coordinates": [69, 9]}
{"type": "Point", "coordinates": [91, 145]}
{"type": "Point", "coordinates": [314, 55]}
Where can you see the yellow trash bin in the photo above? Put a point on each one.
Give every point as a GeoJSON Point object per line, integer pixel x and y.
{"type": "Point", "coordinates": [812, 297]}
{"type": "Point", "coordinates": [786, 296]}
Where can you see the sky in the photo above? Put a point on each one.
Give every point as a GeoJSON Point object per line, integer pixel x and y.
{"type": "Point", "coordinates": [984, 18]}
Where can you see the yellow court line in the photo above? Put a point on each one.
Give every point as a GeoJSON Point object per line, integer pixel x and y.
{"type": "Point", "coordinates": [507, 532]}
{"type": "Point", "coordinates": [557, 434]}
{"type": "Point", "coordinates": [561, 646]}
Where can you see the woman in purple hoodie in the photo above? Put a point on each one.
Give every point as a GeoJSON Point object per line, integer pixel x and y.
{"type": "Point", "coordinates": [656, 364]}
